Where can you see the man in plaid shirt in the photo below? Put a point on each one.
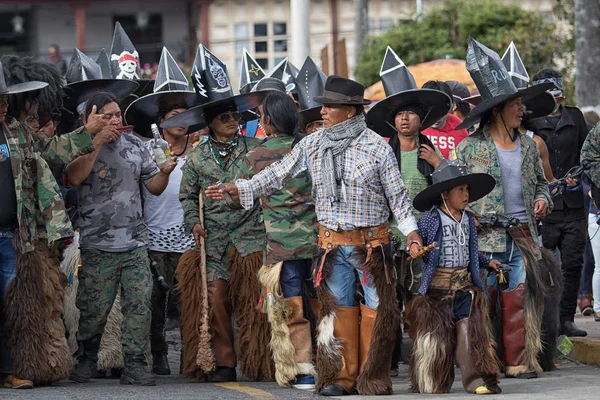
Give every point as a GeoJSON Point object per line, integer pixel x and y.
{"type": "Point", "coordinates": [356, 186]}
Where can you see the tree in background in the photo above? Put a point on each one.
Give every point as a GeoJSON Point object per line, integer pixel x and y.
{"type": "Point", "coordinates": [443, 33]}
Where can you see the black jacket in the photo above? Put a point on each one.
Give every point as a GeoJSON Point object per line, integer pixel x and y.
{"type": "Point", "coordinates": [564, 143]}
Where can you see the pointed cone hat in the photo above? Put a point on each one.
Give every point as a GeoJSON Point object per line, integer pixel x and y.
{"type": "Point", "coordinates": [19, 87]}
{"type": "Point", "coordinates": [213, 87]}
{"type": "Point", "coordinates": [310, 83]}
{"type": "Point", "coordinates": [251, 73]}
{"type": "Point", "coordinates": [84, 78]}
{"type": "Point", "coordinates": [171, 91]}
{"type": "Point", "coordinates": [285, 72]}
{"type": "Point", "coordinates": [401, 90]}
{"type": "Point", "coordinates": [124, 58]}
{"type": "Point", "coordinates": [104, 62]}
{"type": "Point", "coordinates": [493, 81]}
{"type": "Point", "coordinates": [515, 67]}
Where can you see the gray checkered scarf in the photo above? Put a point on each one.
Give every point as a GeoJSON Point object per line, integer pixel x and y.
{"type": "Point", "coordinates": [334, 141]}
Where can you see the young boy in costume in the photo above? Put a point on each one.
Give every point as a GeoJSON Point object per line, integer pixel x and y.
{"type": "Point", "coordinates": [451, 293]}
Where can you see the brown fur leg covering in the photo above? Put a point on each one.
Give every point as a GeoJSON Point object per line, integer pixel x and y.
{"type": "Point", "coordinates": [432, 333]}
{"type": "Point", "coordinates": [375, 377]}
{"type": "Point", "coordinates": [189, 286]}
{"type": "Point", "coordinates": [252, 348]}
{"type": "Point", "coordinates": [553, 280]}
{"type": "Point", "coordinates": [533, 304]}
{"type": "Point", "coordinates": [33, 305]}
{"type": "Point", "coordinates": [329, 348]}
{"type": "Point", "coordinates": [483, 347]}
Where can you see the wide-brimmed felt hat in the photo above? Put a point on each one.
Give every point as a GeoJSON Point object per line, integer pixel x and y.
{"type": "Point", "coordinates": [449, 175]}
{"type": "Point", "coordinates": [19, 87]}
{"type": "Point", "coordinates": [84, 78]}
{"type": "Point", "coordinates": [401, 91]}
{"type": "Point", "coordinates": [493, 81]}
{"type": "Point", "coordinates": [342, 91]}
{"type": "Point", "coordinates": [170, 91]}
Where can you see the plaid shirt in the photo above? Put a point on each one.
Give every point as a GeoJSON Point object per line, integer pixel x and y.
{"type": "Point", "coordinates": [373, 184]}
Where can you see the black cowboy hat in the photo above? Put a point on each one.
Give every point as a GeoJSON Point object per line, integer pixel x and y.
{"type": "Point", "coordinates": [493, 81]}
{"type": "Point", "coordinates": [449, 175]}
{"type": "Point", "coordinates": [343, 91]}
{"type": "Point", "coordinates": [19, 87]}
{"type": "Point", "coordinates": [401, 90]}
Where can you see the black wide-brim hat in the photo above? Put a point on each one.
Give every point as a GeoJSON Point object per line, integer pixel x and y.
{"type": "Point", "coordinates": [78, 92]}
{"type": "Point", "coordinates": [487, 105]}
{"type": "Point", "coordinates": [195, 115]}
{"type": "Point", "coordinates": [23, 87]}
{"type": "Point", "coordinates": [380, 117]}
{"type": "Point", "coordinates": [537, 106]}
{"type": "Point", "coordinates": [342, 91]}
{"type": "Point", "coordinates": [480, 185]}
{"type": "Point", "coordinates": [145, 111]}
{"type": "Point", "coordinates": [310, 115]}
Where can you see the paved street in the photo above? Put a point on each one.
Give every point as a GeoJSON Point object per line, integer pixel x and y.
{"type": "Point", "coordinates": [569, 382]}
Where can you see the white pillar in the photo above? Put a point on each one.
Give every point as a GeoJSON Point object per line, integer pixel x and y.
{"type": "Point", "coordinates": [300, 31]}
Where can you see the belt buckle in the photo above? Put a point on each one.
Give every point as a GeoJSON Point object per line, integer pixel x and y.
{"type": "Point", "coordinates": [370, 234]}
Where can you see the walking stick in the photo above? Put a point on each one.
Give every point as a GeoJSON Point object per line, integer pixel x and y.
{"type": "Point", "coordinates": [205, 358]}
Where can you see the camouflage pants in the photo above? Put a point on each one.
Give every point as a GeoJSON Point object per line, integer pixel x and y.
{"type": "Point", "coordinates": [99, 277]}
{"type": "Point", "coordinates": [166, 264]}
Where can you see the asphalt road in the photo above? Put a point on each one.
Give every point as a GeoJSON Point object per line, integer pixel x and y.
{"type": "Point", "coordinates": [570, 381]}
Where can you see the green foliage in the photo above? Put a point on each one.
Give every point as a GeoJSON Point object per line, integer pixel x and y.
{"type": "Point", "coordinates": [444, 31]}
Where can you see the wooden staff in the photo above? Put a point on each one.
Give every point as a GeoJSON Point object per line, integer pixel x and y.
{"type": "Point", "coordinates": [205, 358]}
{"type": "Point", "coordinates": [424, 250]}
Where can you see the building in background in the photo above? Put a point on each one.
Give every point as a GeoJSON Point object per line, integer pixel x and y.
{"type": "Point", "coordinates": [224, 26]}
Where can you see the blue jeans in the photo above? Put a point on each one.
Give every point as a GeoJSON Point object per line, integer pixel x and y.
{"type": "Point", "coordinates": [8, 259]}
{"type": "Point", "coordinates": [293, 273]}
{"type": "Point", "coordinates": [342, 280]}
{"type": "Point", "coordinates": [513, 258]}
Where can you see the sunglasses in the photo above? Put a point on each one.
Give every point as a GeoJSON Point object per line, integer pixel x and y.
{"type": "Point", "coordinates": [225, 117]}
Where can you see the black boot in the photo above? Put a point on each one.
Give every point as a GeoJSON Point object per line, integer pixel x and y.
{"type": "Point", "coordinates": [568, 328]}
{"type": "Point", "coordinates": [224, 374]}
{"type": "Point", "coordinates": [87, 365]}
{"type": "Point", "coordinates": [160, 364]}
{"type": "Point", "coordinates": [334, 390]}
{"type": "Point", "coordinates": [134, 372]}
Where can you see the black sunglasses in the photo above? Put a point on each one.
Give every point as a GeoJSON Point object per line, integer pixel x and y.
{"type": "Point", "coordinates": [225, 117]}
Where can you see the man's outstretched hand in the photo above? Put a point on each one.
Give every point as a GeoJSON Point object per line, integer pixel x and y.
{"type": "Point", "coordinates": [216, 192]}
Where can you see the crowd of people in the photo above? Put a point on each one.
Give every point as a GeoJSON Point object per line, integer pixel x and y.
{"type": "Point", "coordinates": [292, 234]}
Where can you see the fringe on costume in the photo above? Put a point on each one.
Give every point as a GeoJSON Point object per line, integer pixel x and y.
{"type": "Point", "coordinates": [329, 348]}
{"type": "Point", "coordinates": [280, 315]}
{"type": "Point", "coordinates": [189, 287]}
{"type": "Point", "coordinates": [553, 281]}
{"type": "Point", "coordinates": [375, 376]}
{"type": "Point", "coordinates": [252, 347]}
{"type": "Point", "coordinates": [432, 361]}
{"type": "Point", "coordinates": [533, 302]}
{"type": "Point", "coordinates": [33, 304]}
{"type": "Point", "coordinates": [68, 266]}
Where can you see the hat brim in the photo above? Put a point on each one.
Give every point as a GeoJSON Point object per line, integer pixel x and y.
{"type": "Point", "coordinates": [381, 120]}
{"type": "Point", "coordinates": [24, 87]}
{"type": "Point", "coordinates": [310, 115]}
{"type": "Point", "coordinates": [78, 92]}
{"type": "Point", "coordinates": [145, 111]}
{"type": "Point", "coordinates": [487, 105]}
{"type": "Point", "coordinates": [328, 100]}
{"type": "Point", "coordinates": [480, 185]}
{"type": "Point", "coordinates": [145, 87]}
{"type": "Point", "coordinates": [195, 115]}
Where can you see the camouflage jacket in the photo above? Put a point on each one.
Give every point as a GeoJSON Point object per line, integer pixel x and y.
{"type": "Point", "coordinates": [289, 213]}
{"type": "Point", "coordinates": [40, 207]}
{"type": "Point", "coordinates": [590, 155]}
{"type": "Point", "coordinates": [243, 228]}
{"type": "Point", "coordinates": [62, 149]}
{"type": "Point", "coordinates": [478, 153]}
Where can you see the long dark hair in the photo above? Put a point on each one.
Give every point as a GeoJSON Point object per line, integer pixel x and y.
{"type": "Point", "coordinates": [488, 117]}
{"type": "Point", "coordinates": [99, 100]}
{"type": "Point", "coordinates": [282, 112]}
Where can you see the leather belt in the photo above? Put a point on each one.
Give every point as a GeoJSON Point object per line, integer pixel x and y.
{"type": "Point", "coordinates": [451, 279]}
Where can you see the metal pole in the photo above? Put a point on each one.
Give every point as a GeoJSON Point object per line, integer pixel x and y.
{"type": "Point", "coordinates": [419, 10]}
{"type": "Point", "coordinates": [300, 30]}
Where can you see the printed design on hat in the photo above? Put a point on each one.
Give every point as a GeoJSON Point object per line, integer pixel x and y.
{"type": "Point", "coordinates": [128, 64]}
